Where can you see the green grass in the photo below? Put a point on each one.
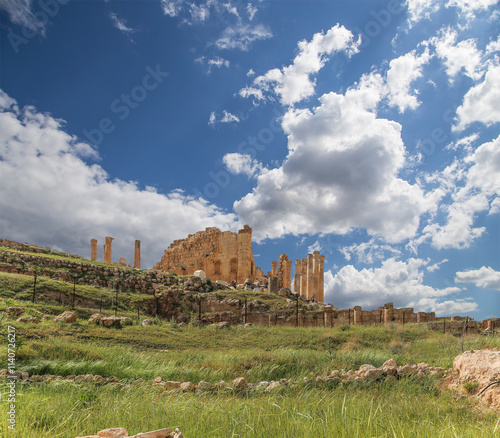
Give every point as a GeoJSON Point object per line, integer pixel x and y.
{"type": "Point", "coordinates": [63, 257]}
{"type": "Point", "coordinates": [405, 409]}
{"type": "Point", "coordinates": [408, 408]}
{"type": "Point", "coordinates": [19, 288]}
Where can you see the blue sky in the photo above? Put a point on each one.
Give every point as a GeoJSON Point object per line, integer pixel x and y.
{"type": "Point", "coordinates": [367, 130]}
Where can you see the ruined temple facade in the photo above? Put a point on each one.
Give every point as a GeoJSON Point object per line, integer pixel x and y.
{"type": "Point", "coordinates": [309, 277]}
{"type": "Point", "coordinates": [221, 255]}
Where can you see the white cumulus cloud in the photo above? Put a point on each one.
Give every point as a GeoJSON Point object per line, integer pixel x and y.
{"type": "Point", "coordinates": [480, 104]}
{"type": "Point", "coordinates": [400, 282]}
{"type": "Point", "coordinates": [293, 83]}
{"type": "Point", "coordinates": [52, 195]}
{"type": "Point", "coordinates": [237, 163]}
{"type": "Point", "coordinates": [341, 173]}
{"type": "Point", "coordinates": [485, 277]}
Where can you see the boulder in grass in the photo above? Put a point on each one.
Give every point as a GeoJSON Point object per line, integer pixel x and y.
{"type": "Point", "coordinates": [27, 319]}
{"type": "Point", "coordinates": [116, 432]}
{"type": "Point", "coordinates": [96, 318]}
{"type": "Point", "coordinates": [15, 310]}
{"type": "Point", "coordinates": [187, 386]}
{"type": "Point", "coordinates": [240, 383]}
{"type": "Point", "coordinates": [67, 317]}
{"type": "Point", "coordinates": [110, 321]}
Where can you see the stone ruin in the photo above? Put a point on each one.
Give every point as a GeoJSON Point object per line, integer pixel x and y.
{"type": "Point", "coordinates": [221, 255]}
{"type": "Point", "coordinates": [107, 258]}
{"type": "Point", "coordinates": [228, 257]}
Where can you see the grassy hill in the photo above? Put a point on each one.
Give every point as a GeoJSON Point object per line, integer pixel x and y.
{"type": "Point", "coordinates": [56, 407]}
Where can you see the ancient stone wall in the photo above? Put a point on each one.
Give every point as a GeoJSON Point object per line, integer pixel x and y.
{"type": "Point", "coordinates": [221, 255]}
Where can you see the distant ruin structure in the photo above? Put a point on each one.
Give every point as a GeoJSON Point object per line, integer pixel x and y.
{"type": "Point", "coordinates": [284, 273]}
{"type": "Point", "coordinates": [309, 277]}
{"type": "Point", "coordinates": [107, 249]}
{"type": "Point", "coordinates": [221, 255]}
{"type": "Point", "coordinates": [93, 249]}
{"type": "Point", "coordinates": [137, 255]}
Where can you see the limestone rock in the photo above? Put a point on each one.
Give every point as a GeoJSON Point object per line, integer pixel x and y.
{"type": "Point", "coordinates": [172, 385]}
{"type": "Point", "coordinates": [95, 318]}
{"type": "Point", "coordinates": [222, 283]}
{"type": "Point", "coordinates": [177, 434]}
{"type": "Point", "coordinates": [161, 433]}
{"type": "Point", "coordinates": [205, 386]}
{"type": "Point", "coordinates": [272, 386]}
{"type": "Point", "coordinates": [158, 380]}
{"type": "Point", "coordinates": [390, 363]}
{"type": "Point", "coordinates": [406, 370]}
{"type": "Point", "coordinates": [187, 386]}
{"type": "Point", "coordinates": [479, 365]}
{"type": "Point", "coordinates": [15, 310]}
{"type": "Point", "coordinates": [200, 274]}
{"type": "Point", "coordinates": [373, 374]}
{"type": "Point", "coordinates": [27, 319]}
{"type": "Point", "coordinates": [223, 325]}
{"type": "Point", "coordinates": [109, 321]}
{"type": "Point", "coordinates": [116, 432]}
{"type": "Point", "coordinates": [240, 383]}
{"type": "Point", "coordinates": [146, 322]}
{"type": "Point", "coordinates": [66, 317]}
{"type": "Point", "coordinates": [389, 370]}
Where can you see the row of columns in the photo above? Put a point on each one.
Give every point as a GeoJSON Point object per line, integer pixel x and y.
{"type": "Point", "coordinates": [107, 252]}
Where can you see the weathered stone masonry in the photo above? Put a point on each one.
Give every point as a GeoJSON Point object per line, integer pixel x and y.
{"type": "Point", "coordinates": [221, 255]}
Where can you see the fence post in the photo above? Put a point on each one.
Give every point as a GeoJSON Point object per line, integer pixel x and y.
{"type": "Point", "coordinates": [34, 289]}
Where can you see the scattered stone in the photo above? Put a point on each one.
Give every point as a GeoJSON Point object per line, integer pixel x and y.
{"type": "Point", "coordinates": [146, 322]}
{"type": "Point", "coordinates": [272, 386]}
{"type": "Point", "coordinates": [200, 274]}
{"type": "Point", "coordinates": [117, 432]}
{"type": "Point", "coordinates": [406, 370]}
{"type": "Point", "coordinates": [172, 385]}
{"type": "Point", "coordinates": [187, 386]}
{"type": "Point", "coordinates": [223, 325]}
{"type": "Point", "coordinates": [15, 310]}
{"type": "Point", "coordinates": [162, 433]}
{"type": "Point", "coordinates": [205, 386]}
{"type": "Point", "coordinates": [240, 383]}
{"type": "Point", "coordinates": [222, 386]}
{"type": "Point", "coordinates": [110, 321]}
{"type": "Point", "coordinates": [27, 319]}
{"type": "Point", "coordinates": [158, 380]}
{"type": "Point", "coordinates": [67, 317]}
{"type": "Point", "coordinates": [390, 363]}
{"type": "Point", "coordinates": [95, 318]}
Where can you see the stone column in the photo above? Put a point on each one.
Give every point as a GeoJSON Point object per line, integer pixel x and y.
{"type": "Point", "coordinates": [388, 313]}
{"type": "Point", "coordinates": [321, 278]}
{"type": "Point", "coordinates": [358, 315]}
{"type": "Point", "coordinates": [296, 277]}
{"type": "Point", "coordinates": [93, 249]}
{"type": "Point", "coordinates": [310, 276]}
{"type": "Point", "coordinates": [107, 249]}
{"type": "Point", "coordinates": [274, 265]}
{"type": "Point", "coordinates": [137, 255]}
